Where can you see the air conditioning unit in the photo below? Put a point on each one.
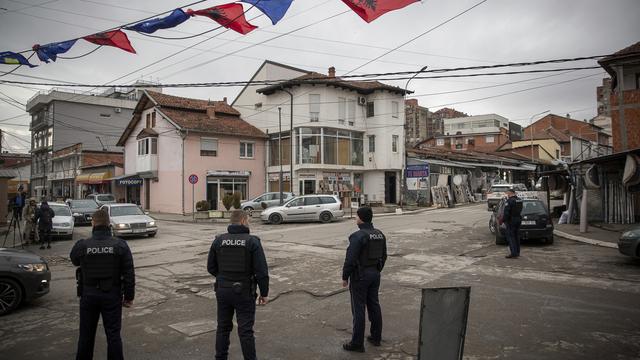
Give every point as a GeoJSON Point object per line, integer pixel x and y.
{"type": "Point", "coordinates": [117, 110]}
{"type": "Point", "coordinates": [362, 100]}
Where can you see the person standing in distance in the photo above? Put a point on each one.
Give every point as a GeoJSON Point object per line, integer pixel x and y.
{"type": "Point", "coordinates": [44, 219]}
{"type": "Point", "coordinates": [512, 220]}
{"type": "Point", "coordinates": [365, 259]}
{"type": "Point", "coordinates": [106, 284]}
{"type": "Point", "coordinates": [238, 262]}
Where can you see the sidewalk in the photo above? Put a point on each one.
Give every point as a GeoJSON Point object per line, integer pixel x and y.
{"type": "Point", "coordinates": [605, 235]}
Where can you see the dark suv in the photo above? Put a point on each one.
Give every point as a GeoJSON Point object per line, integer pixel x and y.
{"type": "Point", "coordinates": [536, 222]}
{"type": "Point", "coordinates": [24, 276]}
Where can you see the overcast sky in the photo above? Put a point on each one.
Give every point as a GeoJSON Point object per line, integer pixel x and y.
{"type": "Point", "coordinates": [498, 31]}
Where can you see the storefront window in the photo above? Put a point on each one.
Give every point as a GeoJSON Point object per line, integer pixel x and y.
{"type": "Point", "coordinates": [310, 145]}
{"type": "Point", "coordinates": [344, 148]}
{"type": "Point", "coordinates": [274, 148]}
{"type": "Point", "coordinates": [330, 147]}
{"type": "Point", "coordinates": [356, 149]}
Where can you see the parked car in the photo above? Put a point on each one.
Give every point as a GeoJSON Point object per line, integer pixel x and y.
{"type": "Point", "coordinates": [270, 198]}
{"type": "Point", "coordinates": [82, 210]}
{"type": "Point", "coordinates": [129, 219]}
{"type": "Point", "coordinates": [323, 208]}
{"type": "Point", "coordinates": [102, 199]}
{"type": "Point", "coordinates": [63, 223]}
{"type": "Point", "coordinates": [24, 276]}
{"type": "Point", "coordinates": [536, 222]}
{"type": "Point", "coordinates": [629, 243]}
{"type": "Point", "coordinates": [497, 193]}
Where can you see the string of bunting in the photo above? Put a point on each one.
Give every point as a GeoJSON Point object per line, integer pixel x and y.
{"type": "Point", "coordinates": [230, 16]}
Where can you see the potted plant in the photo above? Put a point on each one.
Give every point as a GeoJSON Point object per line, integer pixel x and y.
{"type": "Point", "coordinates": [202, 209]}
{"type": "Point", "coordinates": [227, 202]}
{"type": "Point", "coordinates": [237, 197]}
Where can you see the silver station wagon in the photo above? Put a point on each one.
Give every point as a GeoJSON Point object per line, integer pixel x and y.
{"type": "Point", "coordinates": [323, 208]}
{"type": "Point", "coordinates": [130, 220]}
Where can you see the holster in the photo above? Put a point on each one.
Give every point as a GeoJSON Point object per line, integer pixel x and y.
{"type": "Point", "coordinates": [79, 284]}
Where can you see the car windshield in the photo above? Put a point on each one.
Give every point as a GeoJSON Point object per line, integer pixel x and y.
{"type": "Point", "coordinates": [106, 198]}
{"type": "Point", "coordinates": [83, 204]}
{"type": "Point", "coordinates": [296, 202]}
{"type": "Point", "coordinates": [60, 210]}
{"type": "Point", "coordinates": [126, 210]}
{"type": "Point", "coordinates": [533, 208]}
{"type": "Point", "coordinates": [499, 188]}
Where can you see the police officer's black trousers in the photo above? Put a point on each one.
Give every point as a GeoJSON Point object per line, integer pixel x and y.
{"type": "Point", "coordinates": [513, 238]}
{"type": "Point", "coordinates": [364, 293]}
{"type": "Point", "coordinates": [244, 306]}
{"type": "Point", "coordinates": [93, 303]}
{"type": "Point", "coordinates": [45, 236]}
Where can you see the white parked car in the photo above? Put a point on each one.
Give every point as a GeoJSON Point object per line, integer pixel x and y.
{"type": "Point", "coordinates": [323, 208]}
{"type": "Point", "coordinates": [130, 220]}
{"type": "Point", "coordinates": [269, 198]}
{"type": "Point", "coordinates": [63, 222]}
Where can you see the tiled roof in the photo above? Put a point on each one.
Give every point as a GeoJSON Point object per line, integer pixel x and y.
{"type": "Point", "coordinates": [363, 87]}
{"type": "Point", "coordinates": [224, 124]}
{"type": "Point", "coordinates": [632, 50]}
{"type": "Point", "coordinates": [471, 155]}
{"type": "Point", "coordinates": [146, 132]}
{"type": "Point", "coordinates": [178, 102]}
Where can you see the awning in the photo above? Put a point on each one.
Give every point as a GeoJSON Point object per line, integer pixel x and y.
{"type": "Point", "coordinates": [523, 167]}
{"type": "Point", "coordinates": [445, 163]}
{"type": "Point", "coordinates": [94, 178]}
{"type": "Point", "coordinates": [13, 185]}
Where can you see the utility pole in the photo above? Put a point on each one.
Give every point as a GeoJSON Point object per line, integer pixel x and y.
{"type": "Point", "coordinates": [291, 138]}
{"type": "Point", "coordinates": [280, 151]}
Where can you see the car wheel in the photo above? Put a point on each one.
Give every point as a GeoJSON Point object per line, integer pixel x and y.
{"type": "Point", "coordinates": [549, 240]}
{"type": "Point", "coordinates": [10, 296]}
{"type": "Point", "coordinates": [275, 219]}
{"type": "Point", "coordinates": [152, 234]}
{"type": "Point", "coordinates": [326, 217]}
{"type": "Point", "coordinates": [499, 239]}
{"type": "Point", "coordinates": [248, 210]}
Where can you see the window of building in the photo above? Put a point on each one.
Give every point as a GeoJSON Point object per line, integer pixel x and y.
{"type": "Point", "coordinates": [153, 119]}
{"type": "Point", "coordinates": [208, 147]}
{"type": "Point", "coordinates": [342, 110]}
{"type": "Point", "coordinates": [468, 140]}
{"type": "Point", "coordinates": [395, 109]}
{"type": "Point", "coordinates": [148, 146]}
{"type": "Point", "coordinates": [557, 154]}
{"type": "Point", "coordinates": [440, 142]}
{"type": "Point", "coordinates": [351, 111]}
{"type": "Point", "coordinates": [489, 139]}
{"type": "Point", "coordinates": [330, 138]}
{"type": "Point", "coordinates": [246, 150]}
{"type": "Point", "coordinates": [105, 115]}
{"type": "Point", "coordinates": [274, 149]}
{"type": "Point", "coordinates": [394, 143]}
{"type": "Point", "coordinates": [310, 145]}
{"type": "Point", "coordinates": [314, 107]}
{"type": "Point", "coordinates": [372, 143]}
{"type": "Point", "coordinates": [148, 121]}
{"type": "Point", "coordinates": [371, 109]}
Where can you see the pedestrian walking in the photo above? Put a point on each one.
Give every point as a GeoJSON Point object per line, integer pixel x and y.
{"type": "Point", "coordinates": [512, 220]}
{"type": "Point", "coordinates": [44, 219]}
{"type": "Point", "coordinates": [365, 259]}
{"type": "Point", "coordinates": [29, 215]}
{"type": "Point", "coordinates": [106, 283]}
{"type": "Point", "coordinates": [238, 262]}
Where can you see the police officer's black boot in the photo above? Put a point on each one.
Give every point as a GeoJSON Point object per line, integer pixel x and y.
{"type": "Point", "coordinates": [373, 341]}
{"type": "Point", "coordinates": [351, 347]}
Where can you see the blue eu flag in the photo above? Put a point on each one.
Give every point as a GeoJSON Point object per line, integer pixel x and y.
{"type": "Point", "coordinates": [51, 51]}
{"type": "Point", "coordinates": [176, 18]}
{"type": "Point", "coordinates": [274, 9]}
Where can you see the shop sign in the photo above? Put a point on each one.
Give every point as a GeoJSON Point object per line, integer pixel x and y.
{"type": "Point", "coordinates": [417, 171]}
{"type": "Point", "coordinates": [130, 181]}
{"type": "Point", "coordinates": [229, 173]}
{"type": "Point", "coordinates": [276, 177]}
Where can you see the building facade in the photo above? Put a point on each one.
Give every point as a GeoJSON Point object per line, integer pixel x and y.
{"type": "Point", "coordinates": [421, 124]}
{"type": "Point", "coordinates": [481, 132]}
{"type": "Point", "coordinates": [171, 138]}
{"type": "Point", "coordinates": [60, 119]}
{"type": "Point", "coordinates": [348, 136]}
{"type": "Point", "coordinates": [624, 68]}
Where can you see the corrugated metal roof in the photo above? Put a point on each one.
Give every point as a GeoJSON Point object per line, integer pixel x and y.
{"type": "Point", "coordinates": [8, 173]}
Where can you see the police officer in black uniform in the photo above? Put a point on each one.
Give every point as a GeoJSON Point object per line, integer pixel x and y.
{"type": "Point", "coordinates": [512, 220]}
{"type": "Point", "coordinates": [365, 259]}
{"type": "Point", "coordinates": [106, 283]}
{"type": "Point", "coordinates": [237, 261]}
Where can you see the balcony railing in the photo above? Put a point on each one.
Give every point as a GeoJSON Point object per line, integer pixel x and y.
{"type": "Point", "coordinates": [147, 163]}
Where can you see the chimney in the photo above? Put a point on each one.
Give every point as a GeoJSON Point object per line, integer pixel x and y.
{"type": "Point", "coordinates": [224, 99]}
{"type": "Point", "coordinates": [411, 102]}
{"type": "Point", "coordinates": [332, 72]}
{"type": "Point", "coordinates": [211, 111]}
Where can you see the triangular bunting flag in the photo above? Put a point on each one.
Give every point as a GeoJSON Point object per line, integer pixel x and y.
{"type": "Point", "coordinates": [51, 51]}
{"type": "Point", "coordinates": [228, 15]}
{"type": "Point", "coordinates": [274, 9]}
{"type": "Point", "coordinates": [176, 18]}
{"type": "Point", "coordinates": [12, 58]}
{"type": "Point", "coordinates": [115, 38]}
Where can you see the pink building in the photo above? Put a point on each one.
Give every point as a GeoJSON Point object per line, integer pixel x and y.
{"type": "Point", "coordinates": [169, 138]}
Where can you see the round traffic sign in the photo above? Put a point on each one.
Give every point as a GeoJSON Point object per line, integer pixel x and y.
{"type": "Point", "coordinates": [193, 178]}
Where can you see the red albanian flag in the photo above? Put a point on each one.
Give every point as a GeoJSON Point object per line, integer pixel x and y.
{"type": "Point", "coordinates": [112, 38]}
{"type": "Point", "coordinates": [230, 16]}
{"type": "Point", "coordinates": [370, 10]}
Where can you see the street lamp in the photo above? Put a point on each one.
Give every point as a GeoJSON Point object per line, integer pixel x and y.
{"type": "Point", "coordinates": [280, 151]}
{"type": "Point", "coordinates": [291, 137]}
{"type": "Point", "coordinates": [404, 157]}
{"type": "Point", "coordinates": [531, 127]}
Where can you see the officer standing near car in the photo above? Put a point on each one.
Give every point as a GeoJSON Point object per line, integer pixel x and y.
{"type": "Point", "coordinates": [238, 262]}
{"type": "Point", "coordinates": [512, 220]}
{"type": "Point", "coordinates": [365, 259]}
{"type": "Point", "coordinates": [106, 284]}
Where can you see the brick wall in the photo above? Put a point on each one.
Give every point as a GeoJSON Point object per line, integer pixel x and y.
{"type": "Point", "coordinates": [631, 106]}
{"type": "Point", "coordinates": [94, 158]}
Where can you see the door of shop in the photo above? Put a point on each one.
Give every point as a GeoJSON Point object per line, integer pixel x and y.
{"type": "Point", "coordinates": [212, 195]}
{"type": "Point", "coordinates": [390, 187]}
{"type": "Point", "coordinates": [307, 187]}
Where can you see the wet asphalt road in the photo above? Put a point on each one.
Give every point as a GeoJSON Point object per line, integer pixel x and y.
{"type": "Point", "coordinates": [564, 301]}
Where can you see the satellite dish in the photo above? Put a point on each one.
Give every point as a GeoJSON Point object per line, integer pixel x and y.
{"type": "Point", "coordinates": [457, 180]}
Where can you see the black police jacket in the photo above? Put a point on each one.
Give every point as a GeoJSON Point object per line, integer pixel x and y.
{"type": "Point", "coordinates": [512, 210]}
{"type": "Point", "coordinates": [357, 244]}
{"type": "Point", "coordinates": [44, 218]}
{"type": "Point", "coordinates": [257, 267]}
{"type": "Point", "coordinates": [122, 272]}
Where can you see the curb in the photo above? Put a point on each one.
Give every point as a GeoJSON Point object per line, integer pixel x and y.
{"type": "Point", "coordinates": [585, 240]}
